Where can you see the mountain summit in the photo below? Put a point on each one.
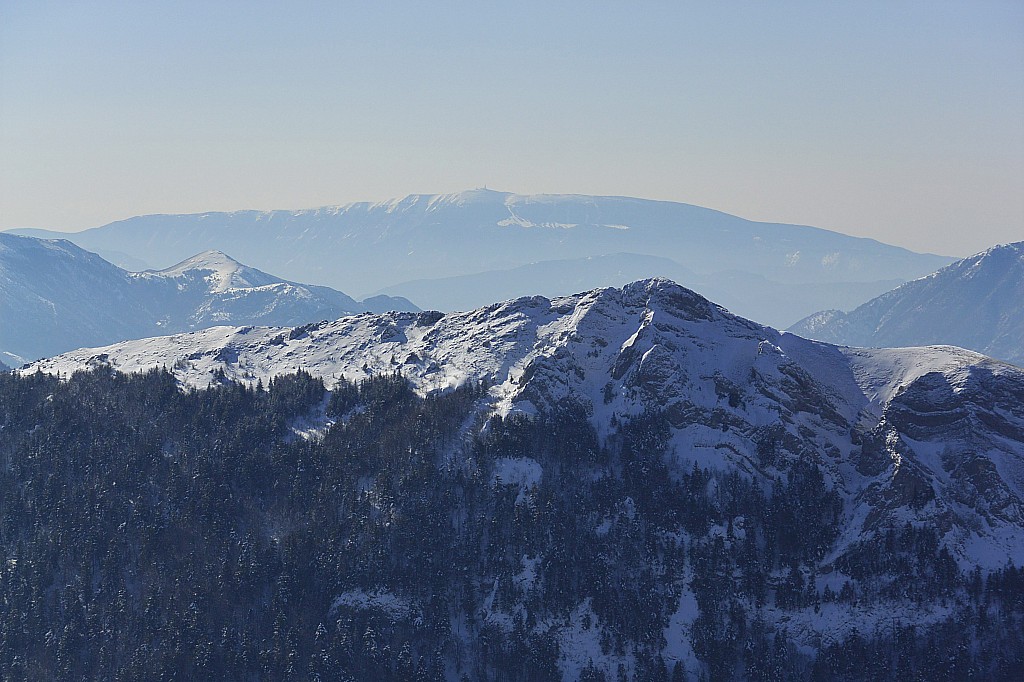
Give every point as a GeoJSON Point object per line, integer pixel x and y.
{"type": "Point", "coordinates": [225, 272]}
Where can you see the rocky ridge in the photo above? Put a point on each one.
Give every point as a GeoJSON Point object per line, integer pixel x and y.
{"type": "Point", "coordinates": [927, 435]}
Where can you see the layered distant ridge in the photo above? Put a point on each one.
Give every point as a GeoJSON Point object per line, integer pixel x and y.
{"type": "Point", "coordinates": [976, 303]}
{"type": "Point", "coordinates": [775, 273]}
{"type": "Point", "coordinates": [56, 296]}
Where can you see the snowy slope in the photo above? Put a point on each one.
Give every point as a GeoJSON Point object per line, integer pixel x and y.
{"type": "Point", "coordinates": [364, 247]}
{"type": "Point", "coordinates": [55, 296]}
{"type": "Point", "coordinates": [224, 272]}
{"type": "Point", "coordinates": [213, 288]}
{"type": "Point", "coordinates": [930, 434]}
{"type": "Point", "coordinates": [977, 303]}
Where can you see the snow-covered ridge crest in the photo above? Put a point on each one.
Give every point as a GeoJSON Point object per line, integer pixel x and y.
{"type": "Point", "coordinates": [922, 435]}
{"type": "Point", "coordinates": [487, 344]}
{"type": "Point", "coordinates": [603, 331]}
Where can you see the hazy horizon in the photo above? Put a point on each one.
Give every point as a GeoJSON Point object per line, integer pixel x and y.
{"type": "Point", "coordinates": [898, 122]}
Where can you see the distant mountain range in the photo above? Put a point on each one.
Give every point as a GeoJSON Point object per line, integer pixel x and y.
{"type": "Point", "coordinates": [775, 273]}
{"type": "Point", "coordinates": [976, 303]}
{"type": "Point", "coordinates": [55, 296]}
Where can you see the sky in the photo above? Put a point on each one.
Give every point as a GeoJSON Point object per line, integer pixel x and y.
{"type": "Point", "coordinates": [900, 121]}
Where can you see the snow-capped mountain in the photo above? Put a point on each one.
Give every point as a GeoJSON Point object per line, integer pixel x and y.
{"type": "Point", "coordinates": [930, 435]}
{"type": "Point", "coordinates": [213, 288]}
{"type": "Point", "coordinates": [367, 247]}
{"type": "Point", "coordinates": [976, 303]}
{"type": "Point", "coordinates": [57, 296]}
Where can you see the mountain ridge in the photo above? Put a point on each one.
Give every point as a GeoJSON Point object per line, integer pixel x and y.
{"type": "Point", "coordinates": [58, 296]}
{"type": "Point", "coordinates": [930, 435]}
{"type": "Point", "coordinates": [435, 201]}
{"type": "Point", "coordinates": [973, 303]}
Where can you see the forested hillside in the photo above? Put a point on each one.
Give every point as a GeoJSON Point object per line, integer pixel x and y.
{"type": "Point", "coordinates": [369, 533]}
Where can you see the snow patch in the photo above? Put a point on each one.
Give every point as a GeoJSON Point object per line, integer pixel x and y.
{"type": "Point", "coordinates": [396, 607]}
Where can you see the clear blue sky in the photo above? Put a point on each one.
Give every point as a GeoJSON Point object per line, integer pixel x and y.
{"type": "Point", "coordinates": [902, 121]}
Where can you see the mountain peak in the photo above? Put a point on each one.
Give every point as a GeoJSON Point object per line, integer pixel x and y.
{"type": "Point", "coordinates": [999, 257]}
{"type": "Point", "coordinates": [55, 296]}
{"type": "Point", "coordinates": [660, 293]}
{"type": "Point", "coordinates": [224, 271]}
{"type": "Point", "coordinates": [211, 259]}
{"type": "Point", "coordinates": [482, 193]}
{"type": "Point", "coordinates": [1011, 248]}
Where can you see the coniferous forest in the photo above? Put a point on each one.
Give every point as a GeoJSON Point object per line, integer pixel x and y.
{"type": "Point", "coordinates": [151, 532]}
